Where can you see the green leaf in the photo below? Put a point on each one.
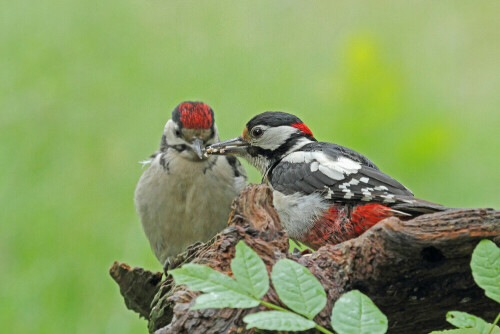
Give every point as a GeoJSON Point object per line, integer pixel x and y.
{"type": "Point", "coordinates": [223, 299]}
{"type": "Point", "coordinates": [457, 331]}
{"type": "Point", "coordinates": [203, 278]}
{"type": "Point", "coordinates": [485, 266]}
{"type": "Point", "coordinates": [297, 244]}
{"type": "Point", "coordinates": [250, 271]}
{"type": "Point", "coordinates": [355, 313]}
{"type": "Point", "coordinates": [278, 321]}
{"type": "Point", "coordinates": [298, 288]}
{"type": "Point", "coordinates": [466, 320]}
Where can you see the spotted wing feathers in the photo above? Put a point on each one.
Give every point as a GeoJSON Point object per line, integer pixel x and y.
{"type": "Point", "coordinates": [342, 175]}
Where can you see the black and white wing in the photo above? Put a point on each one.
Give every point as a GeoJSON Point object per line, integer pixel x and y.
{"type": "Point", "coordinates": [341, 174]}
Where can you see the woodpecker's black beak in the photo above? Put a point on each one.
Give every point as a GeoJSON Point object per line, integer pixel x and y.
{"type": "Point", "coordinates": [197, 145]}
{"type": "Point", "coordinates": [231, 146]}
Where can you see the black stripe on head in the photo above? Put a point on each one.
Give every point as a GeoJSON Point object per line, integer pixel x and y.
{"type": "Point", "coordinates": [279, 118]}
{"type": "Point", "coordinates": [277, 153]}
{"type": "Point", "coordinates": [273, 119]}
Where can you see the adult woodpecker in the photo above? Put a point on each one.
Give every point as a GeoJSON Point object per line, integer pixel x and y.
{"type": "Point", "coordinates": [183, 196]}
{"type": "Point", "coordinates": [323, 192]}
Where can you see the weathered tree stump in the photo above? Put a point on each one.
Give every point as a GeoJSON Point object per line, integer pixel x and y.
{"type": "Point", "coordinates": [415, 271]}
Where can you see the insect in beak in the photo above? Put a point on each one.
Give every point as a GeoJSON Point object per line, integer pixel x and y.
{"type": "Point", "coordinates": [231, 146]}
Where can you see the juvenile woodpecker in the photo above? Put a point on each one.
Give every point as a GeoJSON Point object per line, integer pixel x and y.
{"type": "Point", "coordinates": [323, 192]}
{"type": "Point", "coordinates": [183, 196]}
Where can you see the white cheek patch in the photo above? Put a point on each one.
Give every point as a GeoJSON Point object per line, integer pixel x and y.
{"type": "Point", "coordinates": [273, 138]}
{"type": "Point", "coordinates": [169, 132]}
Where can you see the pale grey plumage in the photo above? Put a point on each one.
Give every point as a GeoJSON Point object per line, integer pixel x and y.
{"type": "Point", "coordinates": [182, 199]}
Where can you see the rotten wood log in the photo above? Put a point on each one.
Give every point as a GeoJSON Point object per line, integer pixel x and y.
{"type": "Point", "coordinates": [137, 286]}
{"type": "Point", "coordinates": [415, 271]}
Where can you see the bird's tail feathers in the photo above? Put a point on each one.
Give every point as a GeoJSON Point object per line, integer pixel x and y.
{"type": "Point", "coordinates": [416, 207]}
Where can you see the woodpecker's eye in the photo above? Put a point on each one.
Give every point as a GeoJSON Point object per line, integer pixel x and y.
{"type": "Point", "coordinates": [178, 133]}
{"type": "Point", "coordinates": [257, 132]}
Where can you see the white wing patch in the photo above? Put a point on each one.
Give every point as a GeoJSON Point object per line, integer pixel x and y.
{"type": "Point", "coordinates": [389, 198]}
{"type": "Point", "coordinates": [329, 194]}
{"type": "Point", "coordinates": [314, 166]}
{"type": "Point", "coordinates": [347, 184]}
{"type": "Point", "coordinates": [354, 182]}
{"type": "Point", "coordinates": [334, 169]}
{"type": "Point", "coordinates": [344, 187]}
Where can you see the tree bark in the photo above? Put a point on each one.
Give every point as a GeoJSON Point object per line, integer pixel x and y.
{"type": "Point", "coordinates": [414, 271]}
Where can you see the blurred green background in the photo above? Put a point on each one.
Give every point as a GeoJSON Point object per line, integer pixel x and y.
{"type": "Point", "coordinates": [87, 86]}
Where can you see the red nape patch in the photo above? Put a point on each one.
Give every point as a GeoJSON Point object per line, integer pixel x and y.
{"type": "Point", "coordinates": [195, 115]}
{"type": "Point", "coordinates": [365, 216]}
{"type": "Point", "coordinates": [302, 127]}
